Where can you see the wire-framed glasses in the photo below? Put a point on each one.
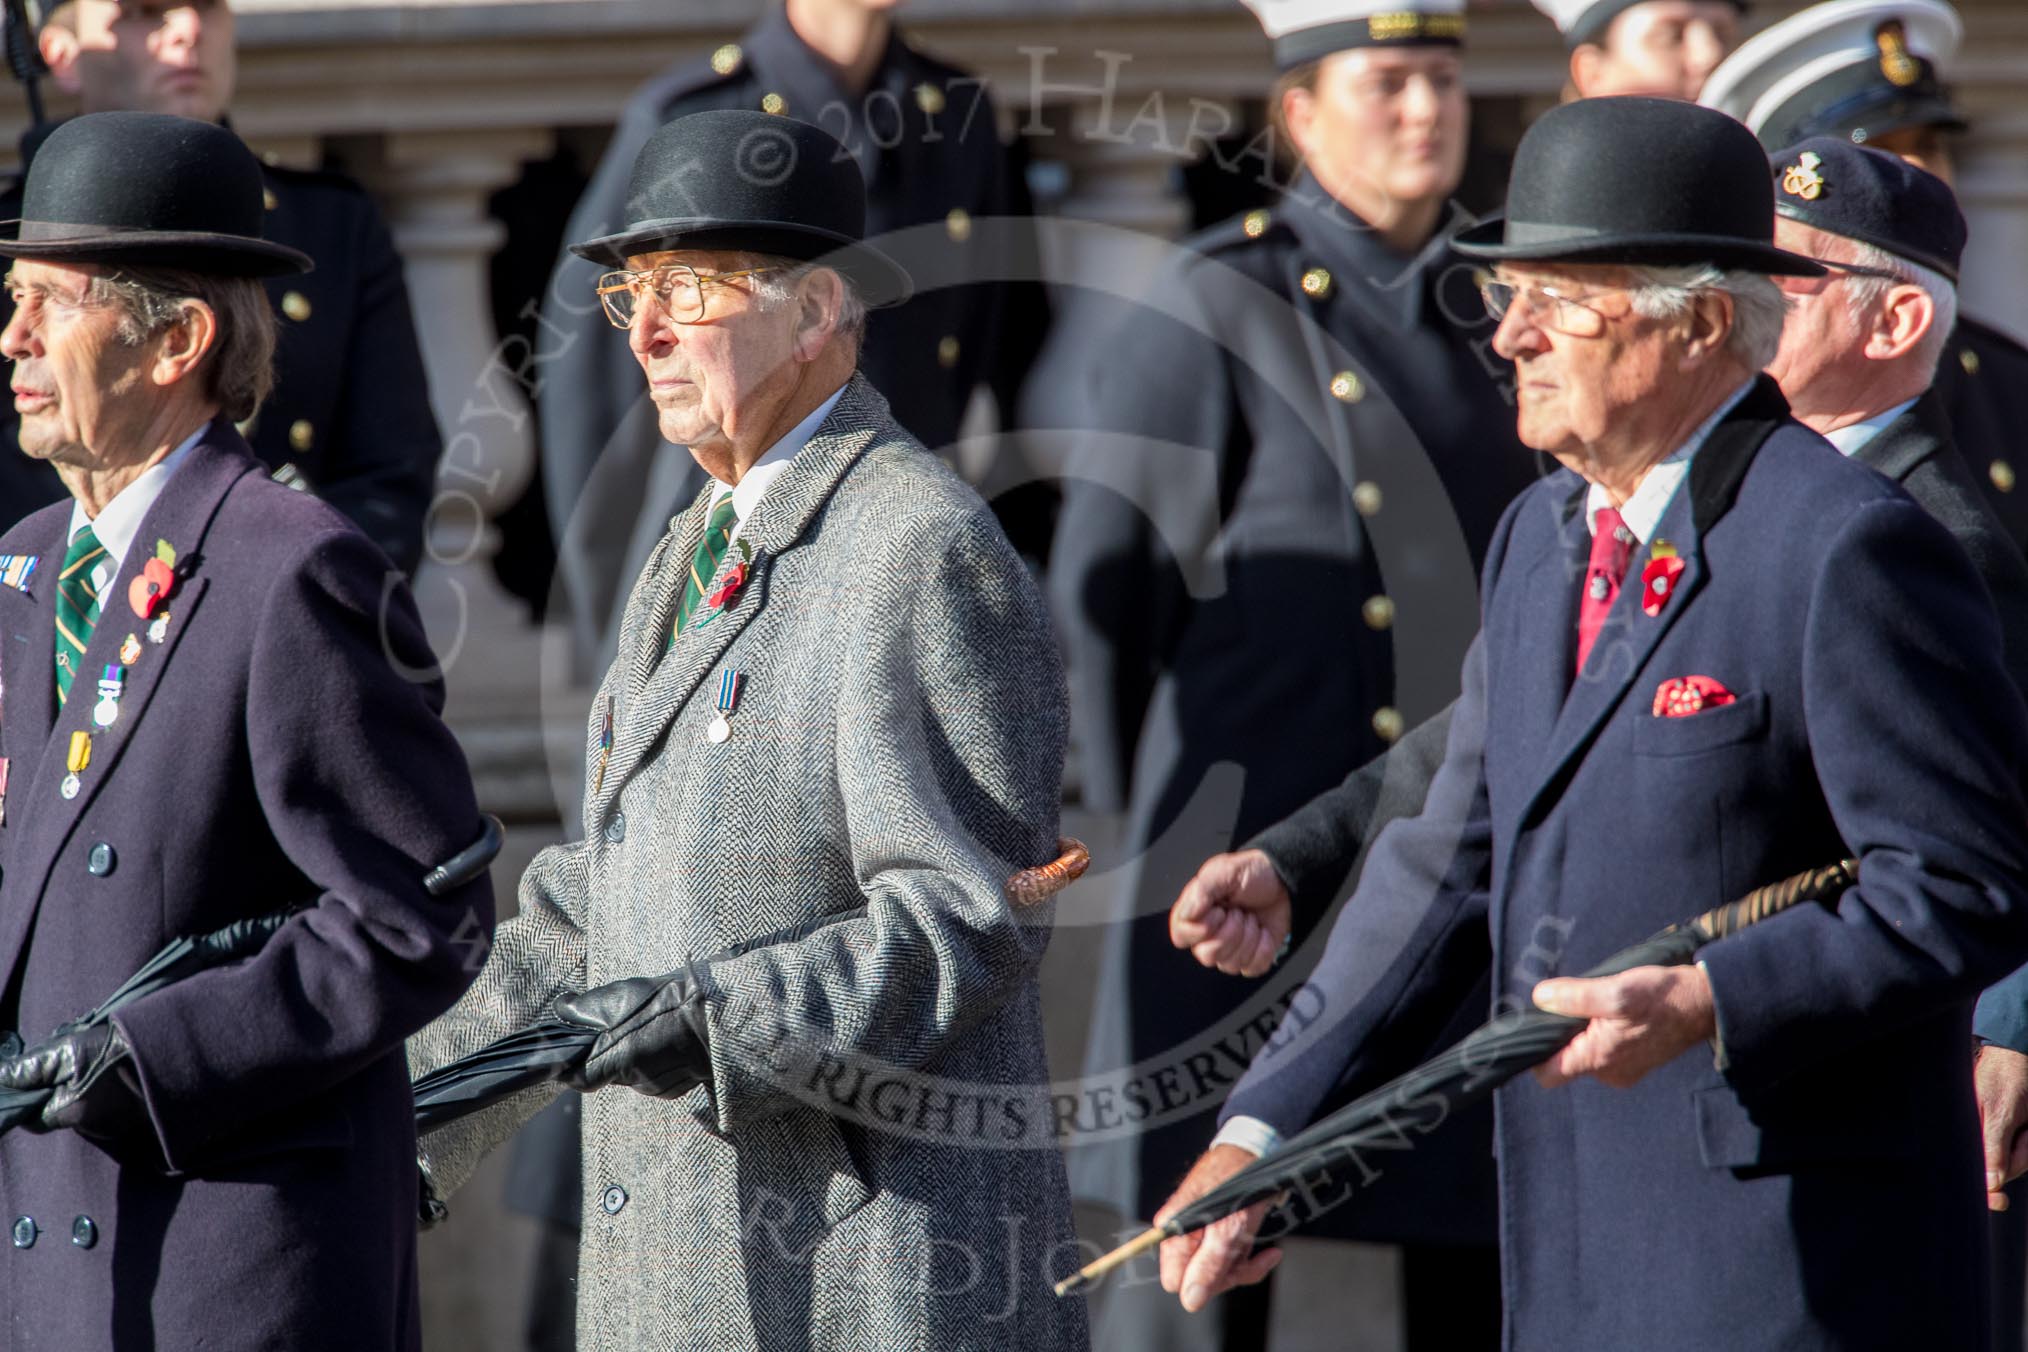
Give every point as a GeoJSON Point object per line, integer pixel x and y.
{"type": "Point", "coordinates": [677, 287]}
{"type": "Point", "coordinates": [1552, 307]}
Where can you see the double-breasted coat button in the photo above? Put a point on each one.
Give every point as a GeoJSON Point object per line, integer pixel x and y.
{"type": "Point", "coordinates": [616, 829]}
{"type": "Point", "coordinates": [84, 1232]}
{"type": "Point", "coordinates": [774, 103]}
{"type": "Point", "coordinates": [1366, 497]}
{"type": "Point", "coordinates": [1316, 283]}
{"type": "Point", "coordinates": [947, 351]}
{"type": "Point", "coordinates": [1378, 612]}
{"type": "Point", "coordinates": [2003, 475]}
{"type": "Point", "coordinates": [101, 862]}
{"type": "Point", "coordinates": [1255, 224]}
{"type": "Point", "coordinates": [296, 306]}
{"type": "Point", "coordinates": [269, 200]}
{"type": "Point", "coordinates": [1969, 360]}
{"type": "Point", "coordinates": [726, 59]}
{"type": "Point", "coordinates": [1389, 723]}
{"type": "Point", "coordinates": [24, 1232]}
{"type": "Point", "coordinates": [929, 98]}
{"type": "Point", "coordinates": [302, 434]}
{"type": "Point", "coordinates": [614, 1199]}
{"type": "Point", "coordinates": [1347, 387]}
{"type": "Point", "coordinates": [958, 224]}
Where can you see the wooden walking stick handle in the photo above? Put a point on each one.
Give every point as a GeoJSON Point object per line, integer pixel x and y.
{"type": "Point", "coordinates": [1033, 886]}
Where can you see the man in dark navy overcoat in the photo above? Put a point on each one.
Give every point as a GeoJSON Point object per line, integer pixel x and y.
{"type": "Point", "coordinates": [217, 706]}
{"type": "Point", "coordinates": [1714, 653]}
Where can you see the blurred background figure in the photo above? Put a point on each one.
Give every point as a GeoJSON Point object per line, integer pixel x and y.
{"type": "Point", "coordinates": [1306, 409]}
{"type": "Point", "coordinates": [925, 137]}
{"type": "Point", "coordinates": [1664, 48]}
{"type": "Point", "coordinates": [1866, 71]}
{"type": "Point", "coordinates": [350, 415]}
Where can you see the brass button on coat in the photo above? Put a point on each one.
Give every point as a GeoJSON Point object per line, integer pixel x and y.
{"type": "Point", "coordinates": [302, 434]}
{"type": "Point", "coordinates": [726, 59]}
{"type": "Point", "coordinates": [1366, 497]}
{"type": "Point", "coordinates": [958, 224]}
{"type": "Point", "coordinates": [1255, 224]}
{"type": "Point", "coordinates": [1378, 612]}
{"type": "Point", "coordinates": [2003, 475]}
{"type": "Point", "coordinates": [1388, 722]}
{"type": "Point", "coordinates": [1317, 283]}
{"type": "Point", "coordinates": [929, 98]}
{"type": "Point", "coordinates": [1347, 387]}
{"type": "Point", "coordinates": [947, 352]}
{"type": "Point", "coordinates": [774, 103]}
{"type": "Point", "coordinates": [296, 306]}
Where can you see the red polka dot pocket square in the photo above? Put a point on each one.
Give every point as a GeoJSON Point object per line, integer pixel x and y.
{"type": "Point", "coordinates": [1682, 696]}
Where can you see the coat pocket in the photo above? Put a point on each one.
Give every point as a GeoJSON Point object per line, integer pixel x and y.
{"type": "Point", "coordinates": [1732, 1136]}
{"type": "Point", "coordinates": [1740, 721]}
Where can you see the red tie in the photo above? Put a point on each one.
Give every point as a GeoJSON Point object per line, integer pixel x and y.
{"type": "Point", "coordinates": [1612, 547]}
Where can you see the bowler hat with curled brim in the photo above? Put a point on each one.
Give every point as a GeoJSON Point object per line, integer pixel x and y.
{"type": "Point", "coordinates": [1630, 180]}
{"type": "Point", "coordinates": [147, 189]}
{"type": "Point", "coordinates": [751, 182]}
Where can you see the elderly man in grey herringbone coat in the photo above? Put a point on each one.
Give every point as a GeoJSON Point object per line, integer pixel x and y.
{"type": "Point", "coordinates": [834, 727]}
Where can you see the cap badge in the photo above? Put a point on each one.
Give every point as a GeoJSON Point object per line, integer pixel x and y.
{"type": "Point", "coordinates": [1900, 68]}
{"type": "Point", "coordinates": [1801, 179]}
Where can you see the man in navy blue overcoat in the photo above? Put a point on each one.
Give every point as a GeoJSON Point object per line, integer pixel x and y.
{"type": "Point", "coordinates": [1714, 653]}
{"type": "Point", "coordinates": [219, 703]}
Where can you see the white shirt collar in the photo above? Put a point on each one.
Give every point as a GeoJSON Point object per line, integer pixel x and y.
{"type": "Point", "coordinates": [1850, 438]}
{"type": "Point", "coordinates": [118, 521]}
{"type": "Point", "coordinates": [1642, 512]}
{"type": "Point", "coordinates": [768, 468]}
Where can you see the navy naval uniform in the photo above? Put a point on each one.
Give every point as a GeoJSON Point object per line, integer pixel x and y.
{"type": "Point", "coordinates": [1983, 381]}
{"type": "Point", "coordinates": [350, 417]}
{"type": "Point", "coordinates": [1268, 550]}
{"type": "Point", "coordinates": [925, 136]}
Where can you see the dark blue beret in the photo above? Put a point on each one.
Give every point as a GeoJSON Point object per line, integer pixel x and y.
{"type": "Point", "coordinates": [1872, 196]}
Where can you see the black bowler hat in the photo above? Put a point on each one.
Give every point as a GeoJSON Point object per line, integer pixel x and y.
{"type": "Point", "coordinates": [756, 183]}
{"type": "Point", "coordinates": [1641, 181]}
{"type": "Point", "coordinates": [1871, 196]}
{"type": "Point", "coordinates": [148, 189]}
{"type": "Point", "coordinates": [1853, 68]}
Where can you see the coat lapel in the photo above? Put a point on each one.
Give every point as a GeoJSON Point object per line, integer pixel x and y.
{"type": "Point", "coordinates": [182, 516]}
{"type": "Point", "coordinates": [28, 655]}
{"type": "Point", "coordinates": [1630, 635]}
{"type": "Point", "coordinates": [1543, 637]}
{"type": "Point", "coordinates": [661, 684]}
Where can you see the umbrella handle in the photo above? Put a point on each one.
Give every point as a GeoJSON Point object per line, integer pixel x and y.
{"type": "Point", "coordinates": [468, 863]}
{"type": "Point", "coordinates": [1126, 1253]}
{"type": "Point", "coordinates": [1817, 884]}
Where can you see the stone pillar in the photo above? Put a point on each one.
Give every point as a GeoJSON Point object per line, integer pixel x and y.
{"type": "Point", "coordinates": [435, 186]}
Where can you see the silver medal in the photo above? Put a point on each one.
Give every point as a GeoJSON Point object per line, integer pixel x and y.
{"type": "Point", "coordinates": [105, 712]}
{"type": "Point", "coordinates": [158, 629]}
{"type": "Point", "coordinates": [70, 786]}
{"type": "Point", "coordinates": [719, 730]}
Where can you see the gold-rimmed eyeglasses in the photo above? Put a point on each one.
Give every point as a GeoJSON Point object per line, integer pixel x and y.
{"type": "Point", "coordinates": [677, 287]}
{"type": "Point", "coordinates": [1551, 307]}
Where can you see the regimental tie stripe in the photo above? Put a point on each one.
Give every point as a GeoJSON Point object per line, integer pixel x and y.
{"type": "Point", "coordinates": [704, 563]}
{"type": "Point", "coordinates": [77, 608]}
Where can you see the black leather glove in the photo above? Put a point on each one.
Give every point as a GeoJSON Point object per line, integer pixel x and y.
{"type": "Point", "coordinates": [93, 1089]}
{"type": "Point", "coordinates": [651, 1035]}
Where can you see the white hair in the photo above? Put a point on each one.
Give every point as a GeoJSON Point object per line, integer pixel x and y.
{"type": "Point", "coordinates": [773, 289]}
{"type": "Point", "coordinates": [1758, 306]}
{"type": "Point", "coordinates": [1863, 294]}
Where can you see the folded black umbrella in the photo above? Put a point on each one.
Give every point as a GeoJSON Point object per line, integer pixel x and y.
{"type": "Point", "coordinates": [550, 1049]}
{"type": "Point", "coordinates": [1468, 1073]}
{"type": "Point", "coordinates": [183, 958]}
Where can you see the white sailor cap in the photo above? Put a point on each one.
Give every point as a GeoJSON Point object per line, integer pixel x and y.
{"type": "Point", "coordinates": [1849, 68]}
{"type": "Point", "coordinates": [1309, 30]}
{"type": "Point", "coordinates": [1582, 21]}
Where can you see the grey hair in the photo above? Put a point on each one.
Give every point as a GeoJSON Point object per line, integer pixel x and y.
{"type": "Point", "coordinates": [1863, 293]}
{"type": "Point", "coordinates": [774, 289]}
{"type": "Point", "coordinates": [1758, 306]}
{"type": "Point", "coordinates": [239, 371]}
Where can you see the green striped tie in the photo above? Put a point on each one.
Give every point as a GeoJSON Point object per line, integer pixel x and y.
{"type": "Point", "coordinates": [77, 607]}
{"type": "Point", "coordinates": [704, 563]}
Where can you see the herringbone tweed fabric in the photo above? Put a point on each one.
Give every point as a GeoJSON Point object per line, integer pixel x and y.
{"type": "Point", "coordinates": [898, 744]}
